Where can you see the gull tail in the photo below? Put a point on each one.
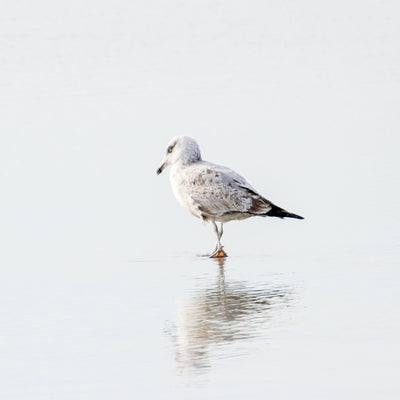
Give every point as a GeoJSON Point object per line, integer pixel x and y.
{"type": "Point", "coordinates": [276, 211]}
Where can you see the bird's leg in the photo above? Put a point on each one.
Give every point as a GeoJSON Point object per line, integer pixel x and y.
{"type": "Point", "coordinates": [218, 251]}
{"type": "Point", "coordinates": [221, 230]}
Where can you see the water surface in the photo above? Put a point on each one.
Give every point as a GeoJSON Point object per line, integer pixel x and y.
{"type": "Point", "coordinates": [177, 327]}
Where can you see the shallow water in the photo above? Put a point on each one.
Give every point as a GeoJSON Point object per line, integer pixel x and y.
{"type": "Point", "coordinates": [191, 327]}
{"type": "Point", "coordinates": [301, 100]}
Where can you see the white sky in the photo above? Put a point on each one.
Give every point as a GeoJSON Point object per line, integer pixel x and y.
{"type": "Point", "coordinates": [300, 97]}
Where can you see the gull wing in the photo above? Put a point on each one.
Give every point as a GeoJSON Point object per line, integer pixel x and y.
{"type": "Point", "coordinates": [218, 191]}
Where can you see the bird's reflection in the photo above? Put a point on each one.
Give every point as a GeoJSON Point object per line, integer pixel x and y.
{"type": "Point", "coordinates": [219, 314]}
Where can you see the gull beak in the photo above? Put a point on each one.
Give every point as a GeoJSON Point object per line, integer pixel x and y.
{"type": "Point", "coordinates": [161, 169]}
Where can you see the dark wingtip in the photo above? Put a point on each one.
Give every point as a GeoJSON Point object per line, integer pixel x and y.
{"type": "Point", "coordinates": [281, 213]}
{"type": "Point", "coordinates": [295, 216]}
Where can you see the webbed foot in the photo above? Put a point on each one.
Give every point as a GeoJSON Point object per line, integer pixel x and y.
{"type": "Point", "coordinates": [218, 253]}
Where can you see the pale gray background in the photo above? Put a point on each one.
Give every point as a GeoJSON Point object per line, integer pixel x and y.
{"type": "Point", "coordinates": [302, 98]}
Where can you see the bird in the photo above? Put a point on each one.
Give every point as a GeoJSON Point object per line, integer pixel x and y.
{"type": "Point", "coordinates": [212, 192]}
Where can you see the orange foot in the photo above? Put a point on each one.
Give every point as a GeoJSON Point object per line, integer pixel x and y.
{"type": "Point", "coordinates": [219, 254]}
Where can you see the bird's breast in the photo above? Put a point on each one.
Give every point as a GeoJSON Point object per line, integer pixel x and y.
{"type": "Point", "coordinates": [181, 188]}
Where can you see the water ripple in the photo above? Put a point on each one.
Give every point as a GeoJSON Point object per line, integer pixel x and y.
{"type": "Point", "coordinates": [219, 315]}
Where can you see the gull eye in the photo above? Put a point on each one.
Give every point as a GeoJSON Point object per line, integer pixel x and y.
{"type": "Point", "coordinates": [170, 148]}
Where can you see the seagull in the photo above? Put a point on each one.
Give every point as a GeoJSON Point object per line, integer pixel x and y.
{"type": "Point", "coordinates": [212, 192]}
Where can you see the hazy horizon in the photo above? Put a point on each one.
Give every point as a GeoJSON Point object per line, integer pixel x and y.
{"type": "Point", "coordinates": [299, 98]}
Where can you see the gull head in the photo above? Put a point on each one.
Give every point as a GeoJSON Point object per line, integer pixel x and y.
{"type": "Point", "coordinates": [181, 149]}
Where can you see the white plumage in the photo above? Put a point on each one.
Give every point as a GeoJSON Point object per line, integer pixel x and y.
{"type": "Point", "coordinates": [213, 192]}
